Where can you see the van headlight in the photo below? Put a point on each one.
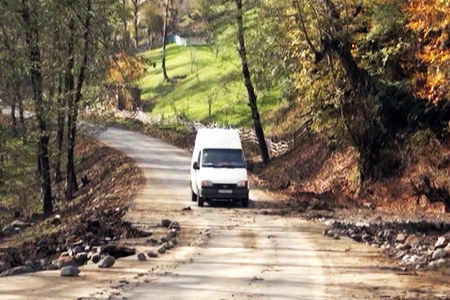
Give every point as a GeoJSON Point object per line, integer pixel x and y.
{"type": "Point", "coordinates": [242, 183]}
{"type": "Point", "coordinates": [207, 183]}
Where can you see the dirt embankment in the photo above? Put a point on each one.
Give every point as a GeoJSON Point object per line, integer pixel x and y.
{"type": "Point", "coordinates": [109, 181]}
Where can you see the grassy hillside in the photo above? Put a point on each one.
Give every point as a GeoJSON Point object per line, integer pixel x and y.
{"type": "Point", "coordinates": [198, 75]}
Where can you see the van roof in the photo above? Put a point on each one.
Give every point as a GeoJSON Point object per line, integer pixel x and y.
{"type": "Point", "coordinates": [218, 138]}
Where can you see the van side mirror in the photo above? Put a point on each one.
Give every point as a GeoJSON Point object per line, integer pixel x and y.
{"type": "Point", "coordinates": [195, 166]}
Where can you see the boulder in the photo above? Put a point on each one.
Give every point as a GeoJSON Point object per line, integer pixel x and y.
{"type": "Point", "coordinates": [174, 241]}
{"type": "Point", "coordinates": [17, 271]}
{"type": "Point", "coordinates": [95, 258]}
{"type": "Point", "coordinates": [438, 254]}
{"type": "Point", "coordinates": [442, 242]}
{"type": "Point", "coordinates": [411, 240]}
{"type": "Point", "coordinates": [70, 271]}
{"type": "Point", "coordinates": [400, 238]}
{"type": "Point", "coordinates": [166, 223]}
{"type": "Point", "coordinates": [174, 225]}
{"type": "Point", "coordinates": [64, 261]}
{"type": "Point", "coordinates": [141, 256]}
{"type": "Point", "coordinates": [164, 239]}
{"type": "Point", "coordinates": [81, 258]}
{"type": "Point", "coordinates": [162, 249]}
{"type": "Point", "coordinates": [4, 266]}
{"type": "Point", "coordinates": [152, 254]}
{"type": "Point", "coordinates": [118, 251]}
{"type": "Point", "coordinates": [107, 262]}
{"type": "Point", "coordinates": [447, 250]}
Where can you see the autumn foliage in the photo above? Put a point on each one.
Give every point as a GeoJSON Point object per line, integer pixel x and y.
{"type": "Point", "coordinates": [429, 20]}
{"type": "Point", "coordinates": [125, 69]}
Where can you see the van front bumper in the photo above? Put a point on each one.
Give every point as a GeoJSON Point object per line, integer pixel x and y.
{"type": "Point", "coordinates": [225, 193]}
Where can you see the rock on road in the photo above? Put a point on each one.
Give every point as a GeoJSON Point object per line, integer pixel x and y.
{"type": "Point", "coordinates": [246, 255]}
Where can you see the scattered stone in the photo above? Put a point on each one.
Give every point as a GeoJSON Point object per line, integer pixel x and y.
{"type": "Point", "coordinates": [187, 208]}
{"type": "Point", "coordinates": [56, 220]}
{"type": "Point", "coordinates": [107, 262]}
{"type": "Point", "coordinates": [17, 271]}
{"type": "Point", "coordinates": [165, 223]}
{"type": "Point", "coordinates": [152, 254]}
{"type": "Point", "coordinates": [164, 239]}
{"type": "Point", "coordinates": [162, 249]}
{"type": "Point", "coordinates": [95, 258]}
{"type": "Point", "coordinates": [336, 236]}
{"type": "Point", "coordinates": [64, 261]}
{"type": "Point", "coordinates": [442, 242]}
{"type": "Point", "coordinates": [438, 254]}
{"type": "Point", "coordinates": [174, 225]}
{"type": "Point", "coordinates": [141, 256]}
{"type": "Point", "coordinates": [412, 240]}
{"type": "Point", "coordinates": [172, 233]}
{"type": "Point", "coordinates": [447, 250]}
{"type": "Point", "coordinates": [169, 245]}
{"type": "Point", "coordinates": [118, 251]}
{"type": "Point", "coordinates": [440, 262]}
{"type": "Point", "coordinates": [152, 241]}
{"type": "Point", "coordinates": [81, 258]}
{"type": "Point", "coordinates": [400, 238]}
{"type": "Point", "coordinates": [70, 271]}
{"type": "Point", "coordinates": [174, 241]}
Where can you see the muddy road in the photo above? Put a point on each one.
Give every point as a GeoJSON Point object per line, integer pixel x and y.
{"type": "Point", "coordinates": [225, 252]}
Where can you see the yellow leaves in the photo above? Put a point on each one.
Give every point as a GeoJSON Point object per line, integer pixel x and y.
{"type": "Point", "coordinates": [429, 20]}
{"type": "Point", "coordinates": [125, 69]}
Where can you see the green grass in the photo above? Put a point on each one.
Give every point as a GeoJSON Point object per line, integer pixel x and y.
{"type": "Point", "coordinates": [205, 74]}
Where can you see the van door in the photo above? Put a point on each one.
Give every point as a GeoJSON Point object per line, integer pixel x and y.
{"type": "Point", "coordinates": [194, 177]}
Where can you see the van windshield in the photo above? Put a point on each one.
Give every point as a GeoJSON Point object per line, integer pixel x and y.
{"type": "Point", "coordinates": [223, 158]}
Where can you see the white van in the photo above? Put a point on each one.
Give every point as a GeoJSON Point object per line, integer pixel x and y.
{"type": "Point", "coordinates": [218, 170]}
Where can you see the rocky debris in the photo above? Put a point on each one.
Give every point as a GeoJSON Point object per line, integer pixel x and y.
{"type": "Point", "coordinates": [162, 249]}
{"type": "Point", "coordinates": [118, 251]}
{"type": "Point", "coordinates": [4, 266]}
{"type": "Point", "coordinates": [96, 258]}
{"type": "Point", "coordinates": [15, 226]}
{"type": "Point", "coordinates": [81, 258]}
{"type": "Point", "coordinates": [414, 245]}
{"type": "Point", "coordinates": [152, 254]}
{"type": "Point", "coordinates": [152, 241]}
{"type": "Point", "coordinates": [64, 261]}
{"type": "Point", "coordinates": [56, 220]}
{"type": "Point", "coordinates": [17, 271]}
{"type": "Point", "coordinates": [165, 223]}
{"type": "Point", "coordinates": [438, 254]}
{"type": "Point", "coordinates": [164, 239]}
{"type": "Point", "coordinates": [187, 208]}
{"type": "Point", "coordinates": [70, 271]}
{"type": "Point", "coordinates": [141, 256]}
{"type": "Point", "coordinates": [107, 262]}
{"type": "Point", "coordinates": [175, 225]}
{"type": "Point", "coordinates": [174, 241]}
{"type": "Point", "coordinates": [442, 242]}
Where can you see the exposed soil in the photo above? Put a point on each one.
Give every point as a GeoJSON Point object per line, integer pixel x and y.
{"type": "Point", "coordinates": [109, 181]}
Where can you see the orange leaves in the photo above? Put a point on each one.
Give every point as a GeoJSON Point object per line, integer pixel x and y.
{"type": "Point", "coordinates": [125, 69]}
{"type": "Point", "coordinates": [429, 20]}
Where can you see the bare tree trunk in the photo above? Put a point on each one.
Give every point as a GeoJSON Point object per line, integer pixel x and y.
{"type": "Point", "coordinates": [135, 22]}
{"type": "Point", "coordinates": [31, 39]}
{"type": "Point", "coordinates": [60, 131]}
{"type": "Point", "coordinates": [13, 114]}
{"type": "Point", "coordinates": [248, 84]}
{"type": "Point", "coordinates": [164, 38]}
{"type": "Point", "coordinates": [81, 76]}
{"type": "Point", "coordinates": [71, 181]}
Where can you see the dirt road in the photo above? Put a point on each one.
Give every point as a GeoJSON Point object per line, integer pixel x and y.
{"type": "Point", "coordinates": [240, 254]}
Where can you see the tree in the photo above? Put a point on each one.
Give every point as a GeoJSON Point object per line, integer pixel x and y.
{"type": "Point", "coordinates": [164, 40]}
{"type": "Point", "coordinates": [30, 25]}
{"type": "Point", "coordinates": [136, 22]}
{"type": "Point", "coordinates": [248, 84]}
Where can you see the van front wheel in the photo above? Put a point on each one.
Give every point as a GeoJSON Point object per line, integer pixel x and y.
{"type": "Point", "coordinates": [200, 201]}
